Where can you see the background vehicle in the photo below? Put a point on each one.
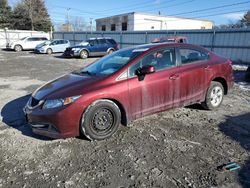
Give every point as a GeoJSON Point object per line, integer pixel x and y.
{"type": "Point", "coordinates": [126, 85]}
{"type": "Point", "coordinates": [92, 47]}
{"type": "Point", "coordinates": [52, 46]}
{"type": "Point", "coordinates": [176, 39]}
{"type": "Point", "coordinates": [26, 43]}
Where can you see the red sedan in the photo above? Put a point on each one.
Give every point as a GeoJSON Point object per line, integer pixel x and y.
{"type": "Point", "coordinates": [126, 85]}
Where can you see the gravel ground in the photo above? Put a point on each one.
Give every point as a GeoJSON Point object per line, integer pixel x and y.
{"type": "Point", "coordinates": [179, 148]}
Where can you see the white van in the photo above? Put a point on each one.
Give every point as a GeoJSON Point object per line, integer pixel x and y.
{"type": "Point", "coordinates": [26, 43]}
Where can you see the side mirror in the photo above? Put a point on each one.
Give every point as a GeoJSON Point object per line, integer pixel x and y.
{"type": "Point", "coordinates": [141, 72]}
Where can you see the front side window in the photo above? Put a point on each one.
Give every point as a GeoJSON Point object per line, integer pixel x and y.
{"type": "Point", "coordinates": [93, 42]}
{"type": "Point", "coordinates": [160, 59]}
{"type": "Point", "coordinates": [191, 56]}
{"type": "Point", "coordinates": [31, 39]}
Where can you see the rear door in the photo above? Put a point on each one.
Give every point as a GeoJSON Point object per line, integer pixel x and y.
{"type": "Point", "coordinates": [194, 74]}
{"type": "Point", "coordinates": [103, 46]}
{"type": "Point", "coordinates": [156, 91]}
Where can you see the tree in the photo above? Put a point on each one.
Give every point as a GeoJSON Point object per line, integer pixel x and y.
{"type": "Point", "coordinates": [246, 19]}
{"type": "Point", "coordinates": [78, 24]}
{"type": "Point", "coordinates": [5, 14]}
{"type": "Point", "coordinates": [32, 15]}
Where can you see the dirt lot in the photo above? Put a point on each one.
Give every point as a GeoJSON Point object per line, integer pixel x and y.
{"type": "Point", "coordinates": [179, 148]}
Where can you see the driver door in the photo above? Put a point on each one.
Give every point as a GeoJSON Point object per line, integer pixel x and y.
{"type": "Point", "coordinates": [156, 91]}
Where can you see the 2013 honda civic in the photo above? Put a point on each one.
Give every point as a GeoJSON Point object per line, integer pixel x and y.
{"type": "Point", "coordinates": [126, 85]}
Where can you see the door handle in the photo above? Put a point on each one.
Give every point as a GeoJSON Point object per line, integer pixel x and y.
{"type": "Point", "coordinates": [174, 77]}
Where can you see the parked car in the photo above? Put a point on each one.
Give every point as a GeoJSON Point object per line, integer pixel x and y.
{"type": "Point", "coordinates": [52, 46]}
{"type": "Point", "coordinates": [176, 39]}
{"type": "Point", "coordinates": [92, 47]}
{"type": "Point", "coordinates": [126, 85]}
{"type": "Point", "coordinates": [26, 43]}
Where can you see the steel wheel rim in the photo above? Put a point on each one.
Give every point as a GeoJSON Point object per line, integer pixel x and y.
{"type": "Point", "coordinates": [216, 96]}
{"type": "Point", "coordinates": [103, 121]}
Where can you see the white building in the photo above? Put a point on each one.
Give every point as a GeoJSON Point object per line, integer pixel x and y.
{"type": "Point", "coordinates": [136, 21]}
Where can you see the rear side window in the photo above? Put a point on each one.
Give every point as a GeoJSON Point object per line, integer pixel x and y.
{"type": "Point", "coordinates": [111, 41]}
{"type": "Point", "coordinates": [191, 56]}
{"type": "Point", "coordinates": [102, 41]}
{"type": "Point", "coordinates": [160, 59]}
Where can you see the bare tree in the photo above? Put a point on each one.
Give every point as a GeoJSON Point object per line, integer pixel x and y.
{"type": "Point", "coordinates": [78, 24]}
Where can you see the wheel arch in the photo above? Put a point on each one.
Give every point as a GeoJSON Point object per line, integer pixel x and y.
{"type": "Point", "coordinates": [111, 48]}
{"type": "Point", "coordinates": [124, 118]}
{"type": "Point", "coordinates": [223, 82]}
{"type": "Point", "coordinates": [18, 45]}
{"type": "Point", "coordinates": [85, 50]}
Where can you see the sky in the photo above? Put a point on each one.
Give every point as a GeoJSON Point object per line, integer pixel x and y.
{"type": "Point", "coordinates": [218, 11]}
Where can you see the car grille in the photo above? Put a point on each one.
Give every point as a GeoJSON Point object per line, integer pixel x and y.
{"type": "Point", "coordinates": [34, 102]}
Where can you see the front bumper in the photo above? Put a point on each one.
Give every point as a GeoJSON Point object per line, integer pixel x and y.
{"type": "Point", "coordinates": [9, 47]}
{"type": "Point", "coordinates": [39, 51]}
{"type": "Point", "coordinates": [71, 54]}
{"type": "Point", "coordinates": [55, 123]}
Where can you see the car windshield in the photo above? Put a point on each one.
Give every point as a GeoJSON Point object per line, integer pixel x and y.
{"type": "Point", "coordinates": [111, 63]}
{"type": "Point", "coordinates": [83, 43]}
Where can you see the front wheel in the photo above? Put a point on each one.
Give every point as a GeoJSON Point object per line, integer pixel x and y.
{"type": "Point", "coordinates": [84, 54]}
{"type": "Point", "coordinates": [214, 96]}
{"type": "Point", "coordinates": [18, 48]}
{"type": "Point", "coordinates": [49, 51]}
{"type": "Point", "coordinates": [101, 120]}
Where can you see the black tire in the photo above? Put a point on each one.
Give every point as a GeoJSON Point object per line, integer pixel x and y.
{"type": "Point", "coordinates": [111, 51]}
{"type": "Point", "coordinates": [49, 51]}
{"type": "Point", "coordinates": [214, 96]}
{"type": "Point", "coordinates": [84, 54]}
{"type": "Point", "coordinates": [101, 120]}
{"type": "Point", "coordinates": [18, 48]}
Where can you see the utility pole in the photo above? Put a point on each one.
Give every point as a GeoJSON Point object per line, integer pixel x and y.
{"type": "Point", "coordinates": [68, 9]}
{"type": "Point", "coordinates": [91, 22]}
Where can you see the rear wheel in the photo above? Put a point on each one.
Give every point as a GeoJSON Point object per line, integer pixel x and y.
{"type": "Point", "coordinates": [214, 96]}
{"type": "Point", "coordinates": [49, 51]}
{"type": "Point", "coordinates": [101, 120]}
{"type": "Point", "coordinates": [18, 48]}
{"type": "Point", "coordinates": [110, 51]}
{"type": "Point", "coordinates": [84, 54]}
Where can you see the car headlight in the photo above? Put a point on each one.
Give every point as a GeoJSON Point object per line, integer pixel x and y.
{"type": "Point", "coordinates": [76, 49]}
{"type": "Point", "coordinates": [55, 103]}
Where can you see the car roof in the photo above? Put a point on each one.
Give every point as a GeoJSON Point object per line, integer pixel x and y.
{"type": "Point", "coordinates": [152, 46]}
{"type": "Point", "coordinates": [100, 38]}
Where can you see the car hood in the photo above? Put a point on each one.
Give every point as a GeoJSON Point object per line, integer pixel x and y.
{"type": "Point", "coordinates": [64, 86]}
